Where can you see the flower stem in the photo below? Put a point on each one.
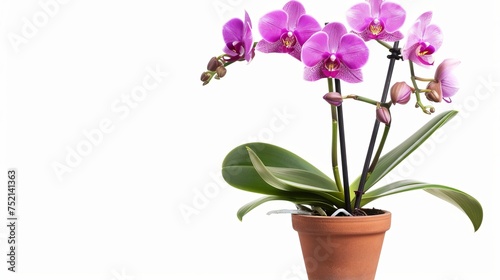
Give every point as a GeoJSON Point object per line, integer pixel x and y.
{"type": "Point", "coordinates": [426, 109]}
{"type": "Point", "coordinates": [423, 79]}
{"type": "Point", "coordinates": [395, 54]}
{"type": "Point", "coordinates": [363, 99]}
{"type": "Point", "coordinates": [384, 44]}
{"type": "Point", "coordinates": [343, 153]}
{"type": "Point", "coordinates": [335, 164]}
{"type": "Point", "coordinates": [379, 149]}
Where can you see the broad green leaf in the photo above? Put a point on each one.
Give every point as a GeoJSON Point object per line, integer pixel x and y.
{"type": "Point", "coordinates": [270, 155]}
{"type": "Point", "coordinates": [246, 178]}
{"type": "Point", "coordinates": [296, 200]}
{"type": "Point", "coordinates": [468, 204]}
{"type": "Point", "coordinates": [239, 172]}
{"type": "Point", "coordinates": [398, 154]}
{"type": "Point", "coordinates": [304, 179]}
{"type": "Point", "coordinates": [293, 186]}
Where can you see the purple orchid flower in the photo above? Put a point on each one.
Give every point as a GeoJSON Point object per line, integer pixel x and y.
{"type": "Point", "coordinates": [238, 38]}
{"type": "Point", "coordinates": [423, 40]}
{"type": "Point", "coordinates": [285, 31]}
{"type": "Point", "coordinates": [445, 84]}
{"type": "Point", "coordinates": [377, 20]}
{"type": "Point", "coordinates": [334, 53]}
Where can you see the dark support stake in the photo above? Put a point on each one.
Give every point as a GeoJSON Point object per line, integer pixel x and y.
{"type": "Point", "coordinates": [395, 55]}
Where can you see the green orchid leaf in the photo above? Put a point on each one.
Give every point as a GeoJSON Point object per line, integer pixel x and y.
{"type": "Point", "coordinates": [246, 178]}
{"type": "Point", "coordinates": [468, 204]}
{"type": "Point", "coordinates": [390, 160]}
{"type": "Point", "coordinates": [296, 200]}
{"type": "Point", "coordinates": [291, 179]}
{"type": "Point", "coordinates": [305, 180]}
{"type": "Point", "coordinates": [270, 155]}
{"type": "Point", "coordinates": [301, 185]}
{"type": "Point", "coordinates": [239, 171]}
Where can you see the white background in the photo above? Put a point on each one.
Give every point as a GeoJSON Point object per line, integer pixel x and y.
{"type": "Point", "coordinates": [145, 200]}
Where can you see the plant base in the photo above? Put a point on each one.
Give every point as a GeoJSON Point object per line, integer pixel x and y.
{"type": "Point", "coordinates": [341, 248]}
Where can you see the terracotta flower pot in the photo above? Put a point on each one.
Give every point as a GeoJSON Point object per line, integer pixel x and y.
{"type": "Point", "coordinates": [341, 248]}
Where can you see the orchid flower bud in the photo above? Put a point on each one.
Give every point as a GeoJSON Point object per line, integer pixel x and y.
{"type": "Point", "coordinates": [401, 93]}
{"type": "Point", "coordinates": [213, 64]}
{"type": "Point", "coordinates": [435, 94]}
{"type": "Point", "coordinates": [221, 71]}
{"type": "Point", "coordinates": [383, 115]}
{"type": "Point", "coordinates": [205, 77]}
{"type": "Point", "coordinates": [334, 98]}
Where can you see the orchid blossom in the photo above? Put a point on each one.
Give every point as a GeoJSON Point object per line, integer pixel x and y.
{"type": "Point", "coordinates": [445, 84]}
{"type": "Point", "coordinates": [334, 53]}
{"type": "Point", "coordinates": [377, 20]}
{"type": "Point", "coordinates": [424, 39]}
{"type": "Point", "coordinates": [238, 38]}
{"type": "Point", "coordinates": [285, 31]}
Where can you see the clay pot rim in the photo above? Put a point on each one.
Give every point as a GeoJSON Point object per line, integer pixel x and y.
{"type": "Point", "coordinates": [342, 224]}
{"type": "Point", "coordinates": [368, 217]}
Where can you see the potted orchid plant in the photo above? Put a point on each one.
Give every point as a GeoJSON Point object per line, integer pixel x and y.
{"type": "Point", "coordinates": [336, 53]}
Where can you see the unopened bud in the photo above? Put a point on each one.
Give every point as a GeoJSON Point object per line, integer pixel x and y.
{"type": "Point", "coordinates": [213, 64]}
{"type": "Point", "coordinates": [205, 76]}
{"type": "Point", "coordinates": [435, 94]}
{"type": "Point", "coordinates": [221, 71]}
{"type": "Point", "coordinates": [383, 115]}
{"type": "Point", "coordinates": [334, 98]}
{"type": "Point", "coordinates": [400, 93]}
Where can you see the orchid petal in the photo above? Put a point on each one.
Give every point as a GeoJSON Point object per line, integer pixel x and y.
{"type": "Point", "coordinates": [335, 32]}
{"type": "Point", "coordinates": [375, 7]}
{"type": "Point", "coordinates": [295, 10]}
{"type": "Point", "coordinates": [232, 30]}
{"type": "Point", "coordinates": [408, 51]}
{"type": "Point", "coordinates": [272, 24]}
{"type": "Point", "coordinates": [449, 88]}
{"type": "Point", "coordinates": [445, 69]}
{"type": "Point", "coordinates": [296, 52]}
{"type": "Point", "coordinates": [391, 37]}
{"type": "Point", "coordinates": [425, 18]}
{"type": "Point", "coordinates": [269, 47]}
{"type": "Point", "coordinates": [248, 21]}
{"type": "Point", "coordinates": [425, 60]}
{"type": "Point", "coordinates": [393, 16]}
{"type": "Point", "coordinates": [413, 37]}
{"type": "Point", "coordinates": [353, 51]}
{"type": "Point", "coordinates": [306, 27]}
{"type": "Point", "coordinates": [444, 74]}
{"type": "Point", "coordinates": [314, 73]}
{"type": "Point", "coordinates": [350, 75]}
{"type": "Point", "coordinates": [359, 17]}
{"type": "Point", "coordinates": [434, 36]}
{"type": "Point", "coordinates": [315, 49]}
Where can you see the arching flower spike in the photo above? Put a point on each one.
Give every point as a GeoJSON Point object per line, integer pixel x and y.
{"type": "Point", "coordinates": [423, 40]}
{"type": "Point", "coordinates": [377, 19]}
{"type": "Point", "coordinates": [285, 31]}
{"type": "Point", "coordinates": [334, 53]}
